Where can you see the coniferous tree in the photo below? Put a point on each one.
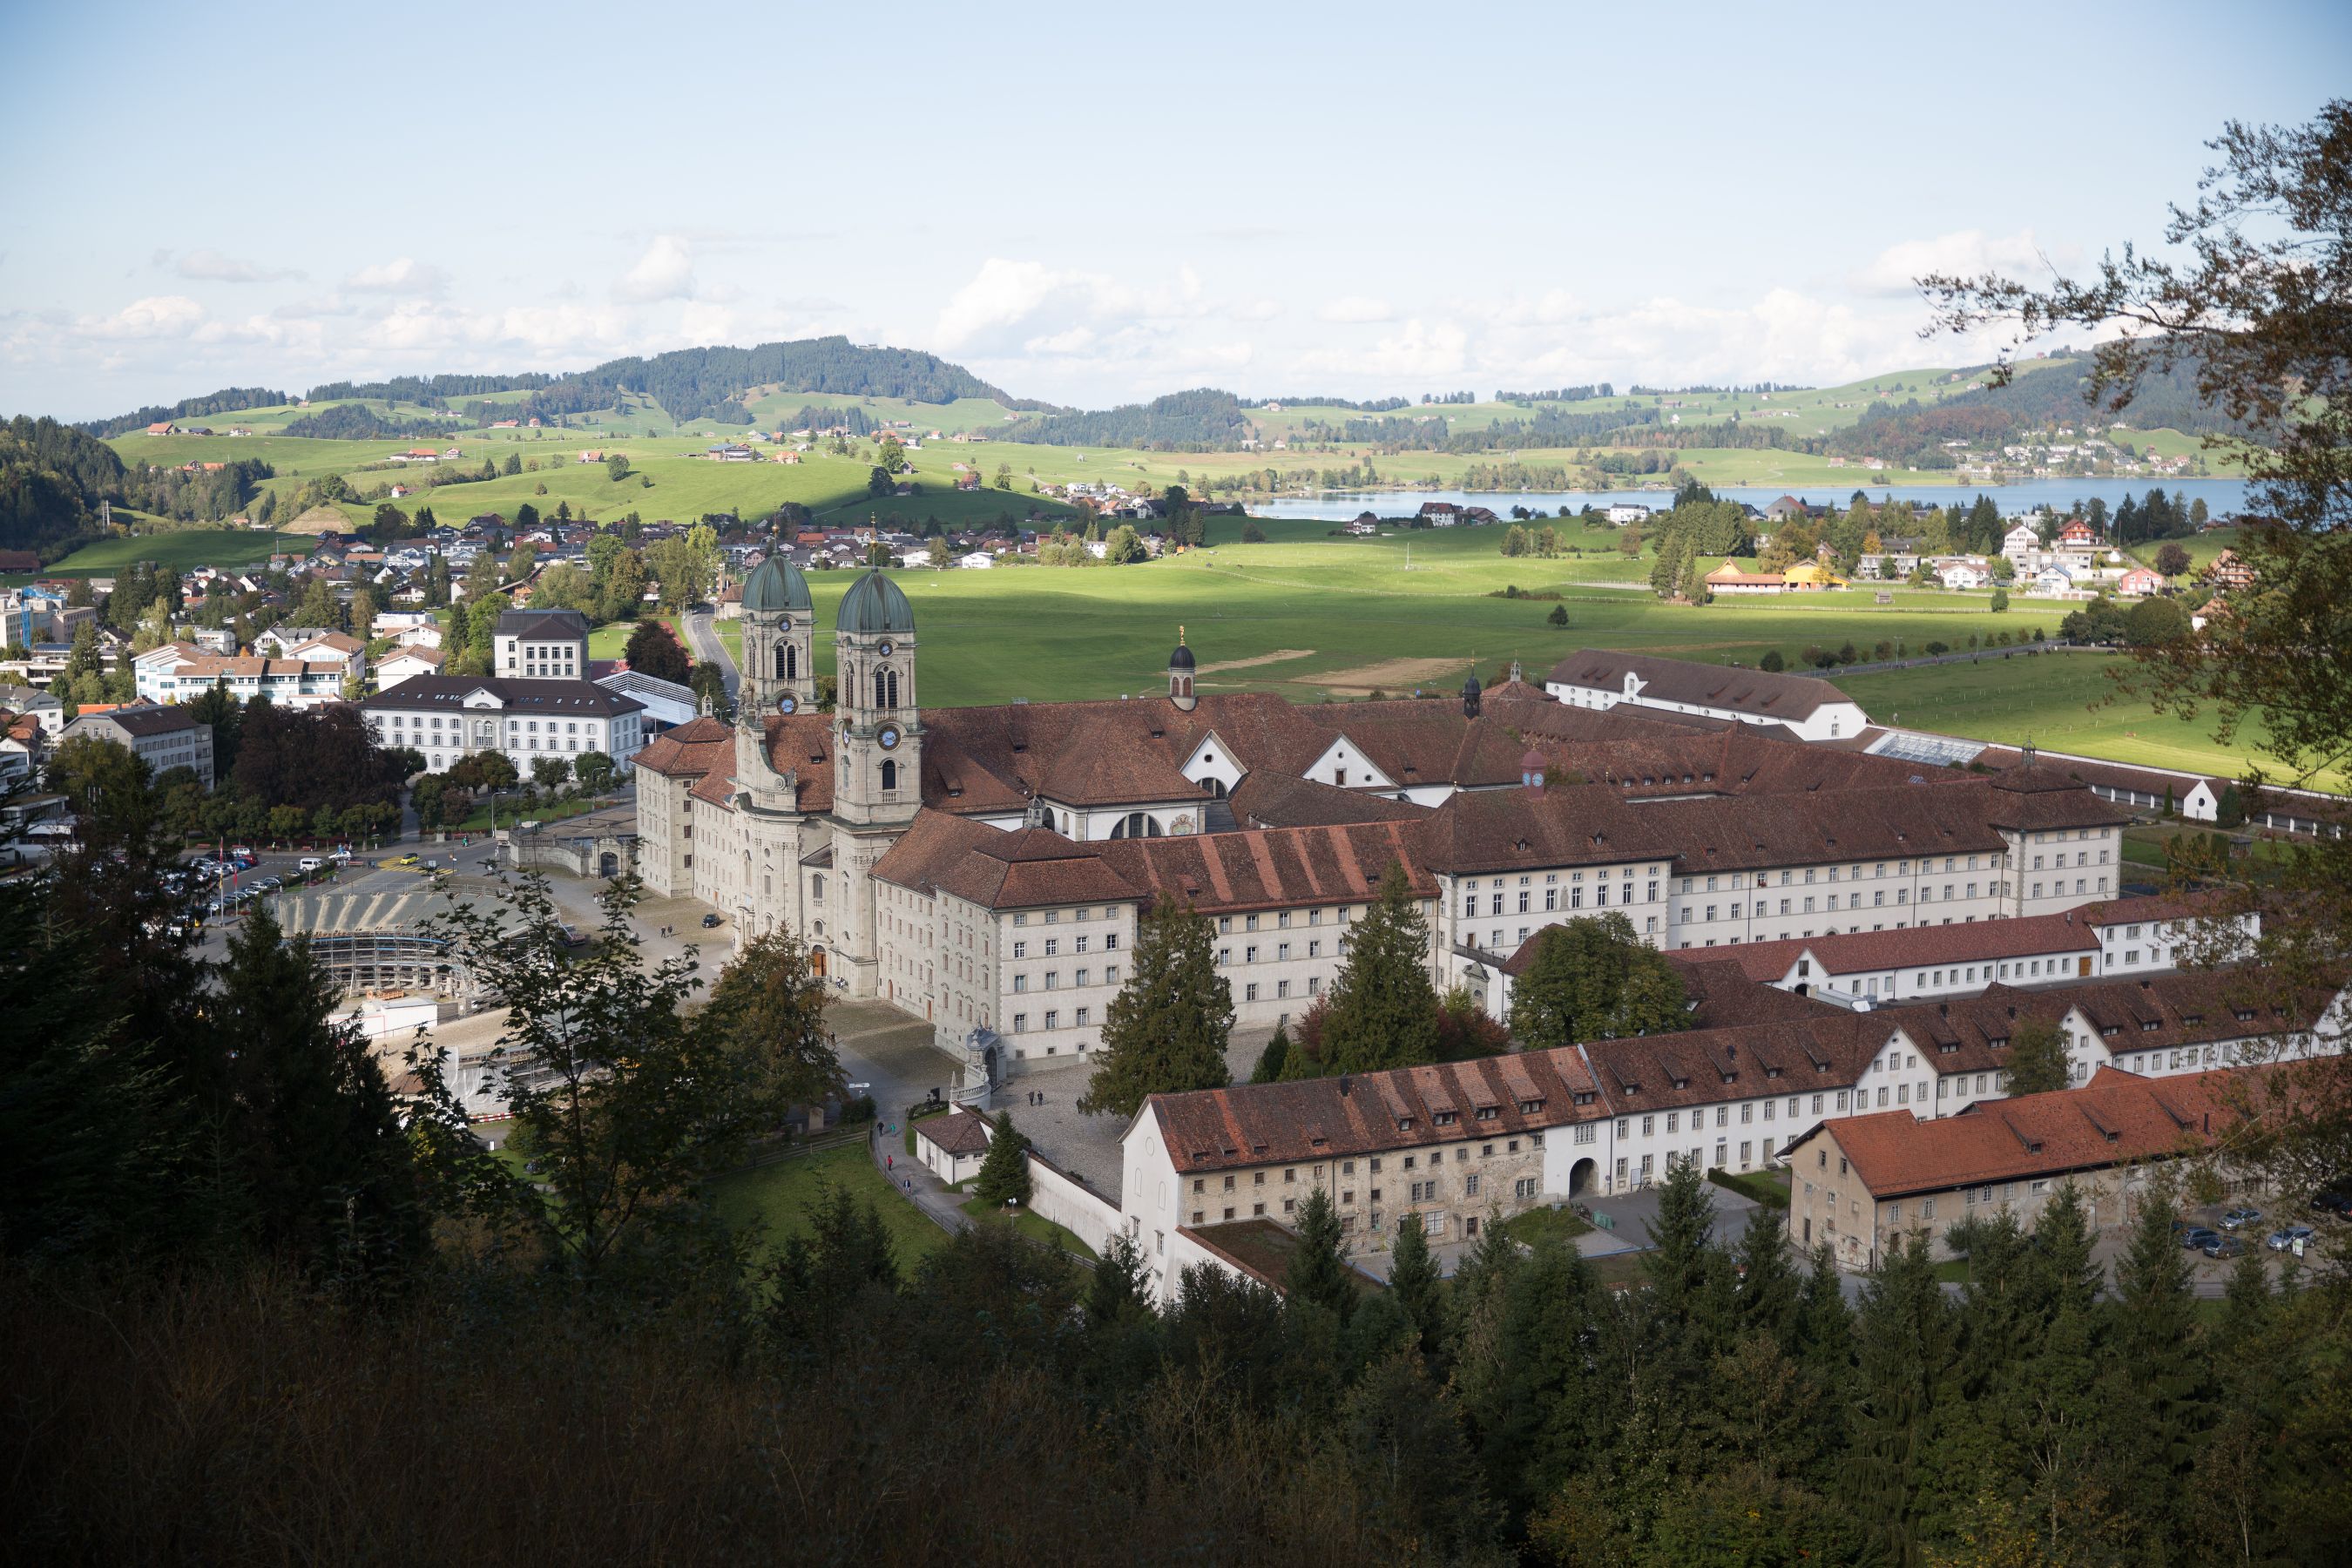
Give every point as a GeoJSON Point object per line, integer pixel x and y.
{"type": "Point", "coordinates": [1769, 1286]}
{"type": "Point", "coordinates": [327, 1168]}
{"type": "Point", "coordinates": [1318, 1272]}
{"type": "Point", "coordinates": [2155, 1391]}
{"type": "Point", "coordinates": [1906, 1343]}
{"type": "Point", "coordinates": [1004, 1174]}
{"type": "Point", "coordinates": [1383, 1009]}
{"type": "Point", "coordinates": [1165, 1032]}
{"type": "Point", "coordinates": [1411, 1462]}
{"type": "Point", "coordinates": [1414, 1281]}
{"type": "Point", "coordinates": [1270, 1060]}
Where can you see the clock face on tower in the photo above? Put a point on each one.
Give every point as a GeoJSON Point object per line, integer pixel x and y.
{"type": "Point", "coordinates": [886, 648]}
{"type": "Point", "coordinates": [888, 737]}
{"type": "Point", "coordinates": [787, 703]}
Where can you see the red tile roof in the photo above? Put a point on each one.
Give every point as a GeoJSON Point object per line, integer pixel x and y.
{"type": "Point", "coordinates": [1757, 691]}
{"type": "Point", "coordinates": [1269, 868]}
{"type": "Point", "coordinates": [1347, 1116]}
{"type": "Point", "coordinates": [2115, 1119]}
{"type": "Point", "coordinates": [1863, 952]}
{"type": "Point", "coordinates": [958, 1132]}
{"type": "Point", "coordinates": [1031, 869]}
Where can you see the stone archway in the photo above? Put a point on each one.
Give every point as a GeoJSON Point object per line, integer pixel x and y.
{"type": "Point", "coordinates": [1580, 1176]}
{"type": "Point", "coordinates": [608, 864]}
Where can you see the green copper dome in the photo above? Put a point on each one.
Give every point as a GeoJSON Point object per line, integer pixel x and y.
{"type": "Point", "coordinates": [776, 585]}
{"type": "Point", "coordinates": [874, 604]}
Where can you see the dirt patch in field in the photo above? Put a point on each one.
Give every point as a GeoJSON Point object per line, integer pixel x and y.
{"type": "Point", "coordinates": [1278, 657]}
{"type": "Point", "coordinates": [1391, 674]}
{"type": "Point", "coordinates": [318, 520]}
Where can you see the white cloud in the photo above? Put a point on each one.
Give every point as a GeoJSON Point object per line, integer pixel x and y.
{"type": "Point", "coordinates": [1357, 308]}
{"type": "Point", "coordinates": [156, 316]}
{"type": "Point", "coordinates": [212, 267]}
{"type": "Point", "coordinates": [1026, 306]}
{"type": "Point", "coordinates": [665, 271]}
{"type": "Point", "coordinates": [1260, 310]}
{"type": "Point", "coordinates": [1417, 350]}
{"type": "Point", "coordinates": [1967, 252]}
{"type": "Point", "coordinates": [405, 274]}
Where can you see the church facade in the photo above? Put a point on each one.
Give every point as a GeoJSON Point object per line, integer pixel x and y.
{"type": "Point", "coordinates": [985, 868]}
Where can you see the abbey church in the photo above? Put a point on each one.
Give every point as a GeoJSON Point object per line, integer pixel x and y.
{"type": "Point", "coordinates": [984, 867]}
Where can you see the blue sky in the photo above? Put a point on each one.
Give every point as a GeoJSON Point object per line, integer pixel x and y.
{"type": "Point", "coordinates": [1088, 203]}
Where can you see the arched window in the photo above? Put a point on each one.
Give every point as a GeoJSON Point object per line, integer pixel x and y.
{"type": "Point", "coordinates": [1136, 824]}
{"type": "Point", "coordinates": [889, 775]}
{"type": "Point", "coordinates": [786, 661]}
{"type": "Point", "coordinates": [885, 688]}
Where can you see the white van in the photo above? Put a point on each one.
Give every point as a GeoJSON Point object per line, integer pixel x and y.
{"type": "Point", "coordinates": [310, 863]}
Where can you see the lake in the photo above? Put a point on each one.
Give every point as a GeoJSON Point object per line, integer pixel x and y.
{"type": "Point", "coordinates": [2222, 498]}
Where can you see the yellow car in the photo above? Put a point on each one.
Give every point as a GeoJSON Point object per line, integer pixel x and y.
{"type": "Point", "coordinates": [399, 860]}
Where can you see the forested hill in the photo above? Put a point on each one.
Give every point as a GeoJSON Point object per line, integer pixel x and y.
{"type": "Point", "coordinates": [1205, 420]}
{"type": "Point", "coordinates": [1913, 433]}
{"type": "Point", "coordinates": [50, 476]}
{"type": "Point", "coordinates": [227, 400]}
{"type": "Point", "coordinates": [53, 476]}
{"type": "Point", "coordinates": [2164, 400]}
{"type": "Point", "coordinates": [358, 422]}
{"type": "Point", "coordinates": [708, 383]}
{"type": "Point", "coordinates": [705, 383]}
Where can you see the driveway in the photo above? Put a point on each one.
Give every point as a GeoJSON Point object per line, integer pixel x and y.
{"type": "Point", "coordinates": [702, 641]}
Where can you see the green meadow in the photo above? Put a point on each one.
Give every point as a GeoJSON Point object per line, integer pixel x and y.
{"type": "Point", "coordinates": [2070, 702]}
{"type": "Point", "coordinates": [179, 549]}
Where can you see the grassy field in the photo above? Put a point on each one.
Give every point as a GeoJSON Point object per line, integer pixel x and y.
{"type": "Point", "coordinates": [1310, 616]}
{"type": "Point", "coordinates": [780, 1196]}
{"type": "Point", "coordinates": [179, 549]}
{"type": "Point", "coordinates": [2066, 702]}
{"type": "Point", "coordinates": [1036, 1227]}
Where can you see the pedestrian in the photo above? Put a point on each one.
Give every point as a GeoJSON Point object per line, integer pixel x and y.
{"type": "Point", "coordinates": [889, 1162]}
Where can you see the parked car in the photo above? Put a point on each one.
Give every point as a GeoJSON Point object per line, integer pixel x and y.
{"type": "Point", "coordinates": [244, 855]}
{"type": "Point", "coordinates": [2237, 1218]}
{"type": "Point", "coordinates": [2195, 1238]}
{"type": "Point", "coordinates": [710, 920]}
{"type": "Point", "coordinates": [2336, 1204]}
{"type": "Point", "coordinates": [2285, 1240]}
{"type": "Point", "coordinates": [267, 885]}
{"type": "Point", "coordinates": [310, 863]}
{"type": "Point", "coordinates": [2224, 1246]}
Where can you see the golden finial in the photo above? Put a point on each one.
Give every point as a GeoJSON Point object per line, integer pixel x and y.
{"type": "Point", "coordinates": [1180, 634]}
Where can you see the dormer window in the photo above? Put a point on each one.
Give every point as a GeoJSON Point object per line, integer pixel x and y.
{"type": "Point", "coordinates": [1404, 1123]}
{"type": "Point", "coordinates": [1488, 1113]}
{"type": "Point", "coordinates": [1443, 1118]}
{"type": "Point", "coordinates": [1530, 1107]}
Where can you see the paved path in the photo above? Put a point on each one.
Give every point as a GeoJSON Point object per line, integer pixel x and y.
{"type": "Point", "coordinates": [925, 1191]}
{"type": "Point", "coordinates": [702, 639]}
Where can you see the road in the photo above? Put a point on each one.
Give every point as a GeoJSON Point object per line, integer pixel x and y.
{"type": "Point", "coordinates": [702, 641]}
